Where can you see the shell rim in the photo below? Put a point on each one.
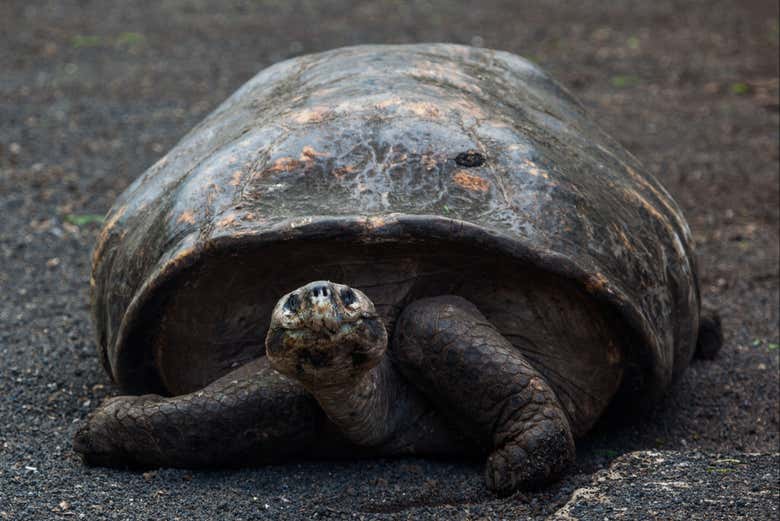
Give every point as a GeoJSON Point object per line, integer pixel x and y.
{"type": "Point", "coordinates": [397, 227]}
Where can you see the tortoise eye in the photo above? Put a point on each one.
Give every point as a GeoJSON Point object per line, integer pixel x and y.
{"type": "Point", "coordinates": [293, 303]}
{"type": "Point", "coordinates": [348, 297]}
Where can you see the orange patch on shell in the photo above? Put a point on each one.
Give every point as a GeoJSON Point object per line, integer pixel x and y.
{"type": "Point", "coordinates": [342, 171]}
{"type": "Point", "coordinates": [214, 189]}
{"type": "Point", "coordinates": [535, 171]}
{"type": "Point", "coordinates": [375, 221]}
{"type": "Point", "coordinates": [227, 221]}
{"type": "Point", "coordinates": [182, 255]}
{"type": "Point", "coordinates": [635, 196]}
{"type": "Point", "coordinates": [186, 217]}
{"type": "Point", "coordinates": [314, 115]}
{"type": "Point", "coordinates": [423, 109]}
{"type": "Point", "coordinates": [236, 179]}
{"type": "Point", "coordinates": [625, 240]}
{"type": "Point", "coordinates": [470, 109]}
{"type": "Point", "coordinates": [663, 198]}
{"type": "Point", "coordinates": [595, 282]}
{"type": "Point", "coordinates": [114, 218]}
{"type": "Point", "coordinates": [284, 164]}
{"type": "Point", "coordinates": [105, 233]}
{"type": "Point", "coordinates": [308, 154]}
{"type": "Point", "coordinates": [390, 102]}
{"type": "Point", "coordinates": [471, 182]}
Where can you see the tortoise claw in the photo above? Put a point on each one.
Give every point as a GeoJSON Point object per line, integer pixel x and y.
{"type": "Point", "coordinates": [93, 439]}
{"type": "Point", "coordinates": [526, 464]}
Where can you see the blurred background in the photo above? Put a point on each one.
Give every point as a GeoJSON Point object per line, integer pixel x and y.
{"type": "Point", "coordinates": [93, 92]}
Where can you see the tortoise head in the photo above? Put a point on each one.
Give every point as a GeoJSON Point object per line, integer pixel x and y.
{"type": "Point", "coordinates": [325, 334]}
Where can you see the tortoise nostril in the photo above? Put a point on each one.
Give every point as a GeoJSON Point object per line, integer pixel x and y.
{"type": "Point", "coordinates": [319, 292]}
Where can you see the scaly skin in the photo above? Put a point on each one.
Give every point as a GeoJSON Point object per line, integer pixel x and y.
{"type": "Point", "coordinates": [450, 351]}
{"type": "Point", "coordinates": [445, 347]}
{"type": "Point", "coordinates": [450, 383]}
{"type": "Point", "coordinates": [253, 415]}
{"type": "Point", "coordinates": [336, 350]}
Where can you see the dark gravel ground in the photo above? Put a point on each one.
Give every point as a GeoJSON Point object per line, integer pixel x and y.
{"type": "Point", "coordinates": [707, 486]}
{"type": "Point", "coordinates": [92, 93]}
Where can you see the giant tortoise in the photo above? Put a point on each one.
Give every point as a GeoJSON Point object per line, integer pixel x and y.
{"type": "Point", "coordinates": [480, 269]}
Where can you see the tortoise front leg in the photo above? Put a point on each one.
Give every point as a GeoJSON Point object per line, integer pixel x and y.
{"type": "Point", "coordinates": [251, 415]}
{"type": "Point", "coordinates": [483, 384]}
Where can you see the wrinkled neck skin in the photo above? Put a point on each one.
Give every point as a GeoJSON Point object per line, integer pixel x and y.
{"type": "Point", "coordinates": [366, 410]}
{"type": "Point", "coordinates": [382, 411]}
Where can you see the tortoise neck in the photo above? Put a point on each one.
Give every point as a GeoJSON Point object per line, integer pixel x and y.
{"type": "Point", "coordinates": [363, 410]}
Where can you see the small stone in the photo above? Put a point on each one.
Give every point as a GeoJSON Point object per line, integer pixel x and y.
{"type": "Point", "coordinates": [148, 476]}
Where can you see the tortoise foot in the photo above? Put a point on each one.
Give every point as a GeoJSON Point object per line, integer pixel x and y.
{"type": "Point", "coordinates": [539, 456]}
{"type": "Point", "coordinates": [487, 389]}
{"type": "Point", "coordinates": [252, 415]}
{"type": "Point", "coordinates": [97, 440]}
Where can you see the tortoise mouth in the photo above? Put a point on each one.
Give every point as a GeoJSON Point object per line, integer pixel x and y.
{"type": "Point", "coordinates": [322, 335]}
{"type": "Point", "coordinates": [325, 331]}
{"type": "Point", "coordinates": [317, 358]}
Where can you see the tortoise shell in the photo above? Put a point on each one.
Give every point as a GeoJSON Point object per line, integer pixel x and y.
{"type": "Point", "coordinates": [371, 151]}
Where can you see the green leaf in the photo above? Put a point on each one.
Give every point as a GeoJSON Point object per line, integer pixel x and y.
{"type": "Point", "coordinates": [85, 40]}
{"type": "Point", "coordinates": [129, 39]}
{"type": "Point", "coordinates": [740, 88]}
{"type": "Point", "coordinates": [622, 82]}
{"type": "Point", "coordinates": [773, 345]}
{"type": "Point", "coordinates": [84, 219]}
{"type": "Point", "coordinates": [633, 42]}
{"type": "Point", "coordinates": [756, 342]}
